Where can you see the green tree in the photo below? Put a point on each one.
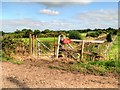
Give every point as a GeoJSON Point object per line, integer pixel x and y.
{"type": "Point", "coordinates": [17, 31]}
{"type": "Point", "coordinates": [109, 38]}
{"type": "Point", "coordinates": [75, 35]}
{"type": "Point", "coordinates": [46, 31]}
{"type": "Point", "coordinates": [115, 32]}
{"type": "Point", "coordinates": [2, 33]}
{"type": "Point", "coordinates": [37, 32]}
{"type": "Point", "coordinates": [29, 31]}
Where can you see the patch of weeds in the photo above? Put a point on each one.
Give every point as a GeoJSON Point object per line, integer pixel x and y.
{"type": "Point", "coordinates": [9, 59]}
{"type": "Point", "coordinates": [118, 70]}
{"type": "Point", "coordinates": [96, 67]}
{"type": "Point", "coordinates": [17, 62]}
{"type": "Point", "coordinates": [5, 59]}
{"type": "Point", "coordinates": [99, 70]}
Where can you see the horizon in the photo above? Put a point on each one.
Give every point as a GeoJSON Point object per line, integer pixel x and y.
{"type": "Point", "coordinates": [56, 16]}
{"type": "Point", "coordinates": [62, 30]}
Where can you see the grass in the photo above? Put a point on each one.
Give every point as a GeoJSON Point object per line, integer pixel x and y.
{"type": "Point", "coordinates": [83, 35]}
{"type": "Point", "coordinates": [8, 59]}
{"type": "Point", "coordinates": [50, 39]}
{"type": "Point", "coordinates": [113, 53]}
{"type": "Point", "coordinates": [96, 68]}
{"type": "Point", "coordinates": [111, 65]}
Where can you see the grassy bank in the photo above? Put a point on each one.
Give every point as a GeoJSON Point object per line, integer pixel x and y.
{"type": "Point", "coordinates": [9, 59]}
{"type": "Point", "coordinates": [101, 67]}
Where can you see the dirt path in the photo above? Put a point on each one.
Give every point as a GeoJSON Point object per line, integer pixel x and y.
{"type": "Point", "coordinates": [19, 76]}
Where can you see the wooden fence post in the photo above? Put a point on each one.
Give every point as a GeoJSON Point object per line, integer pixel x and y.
{"type": "Point", "coordinates": [30, 44]}
{"type": "Point", "coordinates": [57, 54]}
{"type": "Point", "coordinates": [54, 43]}
{"type": "Point", "coordinates": [82, 50]}
{"type": "Point", "coordinates": [36, 45]}
{"type": "Point", "coordinates": [33, 44]}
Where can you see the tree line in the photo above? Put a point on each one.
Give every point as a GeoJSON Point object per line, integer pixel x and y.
{"type": "Point", "coordinates": [24, 33]}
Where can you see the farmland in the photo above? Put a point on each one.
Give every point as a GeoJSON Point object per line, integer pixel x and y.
{"type": "Point", "coordinates": [17, 56]}
{"type": "Point", "coordinates": [50, 39]}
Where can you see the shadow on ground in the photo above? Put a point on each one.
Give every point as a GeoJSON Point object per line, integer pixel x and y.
{"type": "Point", "coordinates": [21, 85]}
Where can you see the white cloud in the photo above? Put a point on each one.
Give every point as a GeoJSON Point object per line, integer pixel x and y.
{"type": "Point", "coordinates": [49, 12]}
{"type": "Point", "coordinates": [60, 3]}
{"type": "Point", "coordinates": [104, 15]}
{"type": "Point", "coordinates": [99, 18]}
{"type": "Point", "coordinates": [90, 19]}
{"type": "Point", "coordinates": [13, 24]}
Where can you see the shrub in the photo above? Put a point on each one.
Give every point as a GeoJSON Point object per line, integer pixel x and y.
{"type": "Point", "coordinates": [9, 45]}
{"type": "Point", "coordinates": [75, 35]}
{"type": "Point", "coordinates": [115, 32]}
{"type": "Point", "coordinates": [93, 34]}
{"type": "Point", "coordinates": [109, 38]}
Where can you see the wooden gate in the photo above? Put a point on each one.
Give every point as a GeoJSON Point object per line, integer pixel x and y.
{"type": "Point", "coordinates": [39, 48]}
{"type": "Point", "coordinates": [77, 49]}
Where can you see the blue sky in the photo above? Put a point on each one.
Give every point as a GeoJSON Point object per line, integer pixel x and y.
{"type": "Point", "coordinates": [58, 16]}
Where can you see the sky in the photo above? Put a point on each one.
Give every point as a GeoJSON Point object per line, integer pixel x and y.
{"type": "Point", "coordinates": [58, 15]}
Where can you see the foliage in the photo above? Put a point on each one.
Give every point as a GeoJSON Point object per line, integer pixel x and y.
{"type": "Point", "coordinates": [37, 32]}
{"type": "Point", "coordinates": [46, 31]}
{"type": "Point", "coordinates": [9, 59]}
{"type": "Point", "coordinates": [17, 31]}
{"type": "Point", "coordinates": [75, 35]}
{"type": "Point", "coordinates": [115, 32]}
{"type": "Point", "coordinates": [29, 31]}
{"type": "Point", "coordinates": [2, 33]}
{"type": "Point", "coordinates": [9, 45]}
{"type": "Point", "coordinates": [109, 38]}
{"type": "Point", "coordinates": [48, 44]}
{"type": "Point", "coordinates": [96, 67]}
{"type": "Point", "coordinates": [24, 33]}
{"type": "Point", "coordinates": [93, 34]}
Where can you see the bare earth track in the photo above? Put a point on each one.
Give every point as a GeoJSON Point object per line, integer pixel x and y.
{"type": "Point", "coordinates": [29, 75]}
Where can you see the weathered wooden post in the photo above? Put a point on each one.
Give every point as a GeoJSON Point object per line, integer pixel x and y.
{"type": "Point", "coordinates": [36, 45]}
{"type": "Point", "coordinates": [57, 53]}
{"type": "Point", "coordinates": [30, 44]}
{"type": "Point", "coordinates": [82, 50]}
{"type": "Point", "coordinates": [38, 48]}
{"type": "Point", "coordinates": [33, 44]}
{"type": "Point", "coordinates": [54, 43]}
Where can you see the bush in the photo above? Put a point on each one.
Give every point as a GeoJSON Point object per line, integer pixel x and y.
{"type": "Point", "coordinates": [9, 45]}
{"type": "Point", "coordinates": [109, 38]}
{"type": "Point", "coordinates": [115, 32]}
{"type": "Point", "coordinates": [75, 35]}
{"type": "Point", "coordinates": [93, 34]}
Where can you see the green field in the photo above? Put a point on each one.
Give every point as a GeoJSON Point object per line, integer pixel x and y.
{"type": "Point", "coordinates": [47, 39]}
{"type": "Point", "coordinates": [50, 39]}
